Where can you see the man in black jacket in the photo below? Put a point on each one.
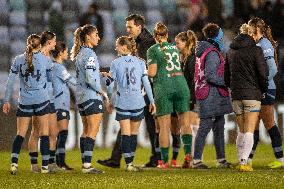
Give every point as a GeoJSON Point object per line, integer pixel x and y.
{"type": "Point", "coordinates": [144, 40]}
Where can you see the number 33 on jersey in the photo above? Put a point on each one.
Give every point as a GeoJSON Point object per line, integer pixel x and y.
{"type": "Point", "coordinates": [168, 66]}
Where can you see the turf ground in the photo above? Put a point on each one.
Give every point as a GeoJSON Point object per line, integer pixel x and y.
{"type": "Point", "coordinates": [261, 177]}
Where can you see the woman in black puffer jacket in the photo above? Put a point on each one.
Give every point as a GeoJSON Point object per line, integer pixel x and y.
{"type": "Point", "coordinates": [246, 75]}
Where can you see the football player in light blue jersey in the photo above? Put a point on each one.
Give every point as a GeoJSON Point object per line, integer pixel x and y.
{"type": "Point", "coordinates": [48, 42]}
{"type": "Point", "coordinates": [262, 34]}
{"type": "Point", "coordinates": [34, 74]}
{"type": "Point", "coordinates": [89, 94]}
{"type": "Point", "coordinates": [61, 79]}
{"type": "Point", "coordinates": [130, 73]}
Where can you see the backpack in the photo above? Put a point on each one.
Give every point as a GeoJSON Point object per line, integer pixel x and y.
{"type": "Point", "coordinates": [202, 88]}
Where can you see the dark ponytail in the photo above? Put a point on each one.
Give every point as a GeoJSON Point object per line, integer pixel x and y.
{"type": "Point", "coordinates": [46, 36]}
{"type": "Point", "coordinates": [59, 48]}
{"type": "Point", "coordinates": [160, 32]}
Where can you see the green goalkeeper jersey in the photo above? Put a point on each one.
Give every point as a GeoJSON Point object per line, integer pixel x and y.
{"type": "Point", "coordinates": [169, 78]}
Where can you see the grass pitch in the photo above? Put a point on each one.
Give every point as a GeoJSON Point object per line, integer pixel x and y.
{"type": "Point", "coordinates": [261, 177]}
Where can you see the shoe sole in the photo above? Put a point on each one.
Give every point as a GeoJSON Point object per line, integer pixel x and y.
{"type": "Point", "coordinates": [90, 172]}
{"type": "Point", "coordinates": [246, 170]}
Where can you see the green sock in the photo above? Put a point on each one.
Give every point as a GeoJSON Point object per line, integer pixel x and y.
{"type": "Point", "coordinates": [187, 141]}
{"type": "Point", "coordinates": [165, 154]}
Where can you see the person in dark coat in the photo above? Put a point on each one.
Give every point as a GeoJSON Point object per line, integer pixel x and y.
{"type": "Point", "coordinates": [94, 18]}
{"type": "Point", "coordinates": [186, 43]}
{"type": "Point", "coordinates": [211, 94]}
{"type": "Point", "coordinates": [246, 75]}
{"type": "Point", "coordinates": [144, 40]}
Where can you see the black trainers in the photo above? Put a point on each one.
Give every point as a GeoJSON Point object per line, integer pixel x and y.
{"type": "Point", "coordinates": [223, 164]}
{"type": "Point", "coordinates": [65, 167]}
{"type": "Point", "coordinates": [109, 163]}
{"type": "Point", "coordinates": [199, 165]}
{"type": "Point", "coordinates": [150, 164]}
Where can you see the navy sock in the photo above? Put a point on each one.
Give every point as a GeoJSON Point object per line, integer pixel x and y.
{"type": "Point", "coordinates": [255, 142]}
{"type": "Point", "coordinates": [16, 148]}
{"type": "Point", "coordinates": [157, 147]}
{"type": "Point", "coordinates": [126, 148]}
{"type": "Point", "coordinates": [56, 154]}
{"type": "Point", "coordinates": [82, 144]}
{"type": "Point", "coordinates": [133, 143]}
{"type": "Point", "coordinates": [88, 149]}
{"type": "Point", "coordinates": [51, 156]}
{"type": "Point", "coordinates": [176, 145]}
{"type": "Point", "coordinates": [33, 157]}
{"type": "Point", "coordinates": [276, 142]}
{"type": "Point", "coordinates": [61, 146]}
{"type": "Point", "coordinates": [44, 150]}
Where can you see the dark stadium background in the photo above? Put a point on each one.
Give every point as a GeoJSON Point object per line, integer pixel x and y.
{"type": "Point", "coordinates": [20, 18]}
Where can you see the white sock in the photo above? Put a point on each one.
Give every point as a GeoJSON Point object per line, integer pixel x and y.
{"type": "Point", "coordinates": [239, 143]}
{"type": "Point", "coordinates": [87, 165]}
{"type": "Point", "coordinates": [194, 129]}
{"type": "Point", "coordinates": [247, 146]}
{"type": "Point", "coordinates": [281, 159]}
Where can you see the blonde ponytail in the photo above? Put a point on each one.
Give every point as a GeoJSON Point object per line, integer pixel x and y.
{"type": "Point", "coordinates": [268, 35]}
{"type": "Point", "coordinates": [77, 43]}
{"type": "Point", "coordinates": [265, 29]}
{"type": "Point", "coordinates": [33, 42]}
{"type": "Point", "coordinates": [190, 40]}
{"type": "Point", "coordinates": [133, 46]}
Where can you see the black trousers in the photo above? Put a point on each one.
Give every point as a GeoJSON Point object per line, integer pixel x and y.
{"type": "Point", "coordinates": [116, 154]}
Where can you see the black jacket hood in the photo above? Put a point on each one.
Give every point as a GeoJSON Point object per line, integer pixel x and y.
{"type": "Point", "coordinates": [242, 41]}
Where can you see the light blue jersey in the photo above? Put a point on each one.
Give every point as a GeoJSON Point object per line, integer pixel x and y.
{"type": "Point", "coordinates": [61, 79]}
{"type": "Point", "coordinates": [33, 86]}
{"type": "Point", "coordinates": [268, 52]}
{"type": "Point", "coordinates": [49, 61]}
{"type": "Point", "coordinates": [130, 72]}
{"type": "Point", "coordinates": [88, 76]}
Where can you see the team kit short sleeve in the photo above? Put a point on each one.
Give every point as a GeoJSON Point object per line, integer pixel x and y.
{"type": "Point", "coordinates": [88, 77]}
{"type": "Point", "coordinates": [170, 88]}
{"type": "Point", "coordinates": [61, 89]}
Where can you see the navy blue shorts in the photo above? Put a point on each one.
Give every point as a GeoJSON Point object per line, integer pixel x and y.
{"type": "Point", "coordinates": [62, 114]}
{"type": "Point", "coordinates": [135, 115]}
{"type": "Point", "coordinates": [52, 108]}
{"type": "Point", "coordinates": [33, 110]}
{"type": "Point", "coordinates": [269, 97]}
{"type": "Point", "coordinates": [92, 106]}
